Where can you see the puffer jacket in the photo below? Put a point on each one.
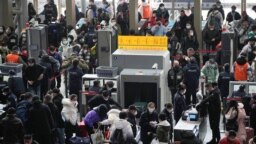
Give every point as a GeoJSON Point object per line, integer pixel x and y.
{"type": "Point", "coordinates": [162, 132]}
{"type": "Point", "coordinates": [113, 115]}
{"type": "Point", "coordinates": [211, 72]}
{"type": "Point", "coordinates": [125, 126]}
{"type": "Point", "coordinates": [69, 111]}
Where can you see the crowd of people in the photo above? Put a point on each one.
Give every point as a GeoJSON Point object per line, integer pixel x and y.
{"type": "Point", "coordinates": [37, 112]}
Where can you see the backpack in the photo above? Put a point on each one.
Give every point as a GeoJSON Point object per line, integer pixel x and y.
{"type": "Point", "coordinates": [21, 111]}
{"type": "Point", "coordinates": [117, 137]}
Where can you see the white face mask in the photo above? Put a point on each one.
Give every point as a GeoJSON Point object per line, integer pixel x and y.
{"type": "Point", "coordinates": [188, 26]}
{"type": "Point", "coordinates": [170, 110]}
{"type": "Point", "coordinates": [135, 113]}
{"type": "Point", "coordinates": [211, 29]}
{"type": "Point", "coordinates": [184, 92]}
{"type": "Point", "coordinates": [151, 110]}
{"type": "Point", "coordinates": [69, 40]}
{"type": "Point", "coordinates": [94, 40]}
{"type": "Point", "coordinates": [162, 8]}
{"type": "Point", "coordinates": [106, 98]}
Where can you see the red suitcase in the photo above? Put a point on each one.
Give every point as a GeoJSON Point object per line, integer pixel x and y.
{"type": "Point", "coordinates": [249, 133]}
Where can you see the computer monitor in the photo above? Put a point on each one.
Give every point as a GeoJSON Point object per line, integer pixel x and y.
{"type": "Point", "coordinates": [236, 87]}
{"type": "Point", "coordinates": [252, 89]}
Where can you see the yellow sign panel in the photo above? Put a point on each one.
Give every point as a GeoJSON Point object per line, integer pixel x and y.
{"type": "Point", "coordinates": [142, 42]}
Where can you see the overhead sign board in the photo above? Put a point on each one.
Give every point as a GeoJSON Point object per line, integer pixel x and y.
{"type": "Point", "coordinates": [142, 42]}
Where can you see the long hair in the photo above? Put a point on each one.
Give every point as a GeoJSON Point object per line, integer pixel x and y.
{"type": "Point", "coordinates": [232, 104]}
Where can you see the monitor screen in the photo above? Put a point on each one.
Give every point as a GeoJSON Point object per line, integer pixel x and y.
{"type": "Point", "coordinates": [252, 89]}
{"type": "Point", "coordinates": [139, 92]}
{"type": "Point", "coordinates": [192, 116]}
{"type": "Point", "coordinates": [236, 87]}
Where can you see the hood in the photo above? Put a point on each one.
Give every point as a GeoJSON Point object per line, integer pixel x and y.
{"type": "Point", "coordinates": [113, 114]}
{"type": "Point", "coordinates": [164, 123]}
{"type": "Point", "coordinates": [67, 102]}
{"type": "Point", "coordinates": [121, 124]}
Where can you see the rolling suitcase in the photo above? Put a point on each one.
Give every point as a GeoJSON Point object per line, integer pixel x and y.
{"type": "Point", "coordinates": [249, 133]}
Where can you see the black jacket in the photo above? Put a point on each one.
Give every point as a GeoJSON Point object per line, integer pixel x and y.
{"type": "Point", "coordinates": [214, 104]}
{"type": "Point", "coordinates": [40, 120]}
{"type": "Point", "coordinates": [132, 119]}
{"type": "Point", "coordinates": [16, 84]}
{"type": "Point", "coordinates": [98, 100]}
{"type": "Point", "coordinates": [75, 79]}
{"type": "Point", "coordinates": [33, 72]}
{"type": "Point", "coordinates": [191, 76]}
{"type": "Point", "coordinates": [189, 42]}
{"type": "Point", "coordinates": [179, 106]}
{"type": "Point", "coordinates": [11, 129]}
{"type": "Point", "coordinates": [223, 83]}
{"type": "Point", "coordinates": [175, 76]}
{"type": "Point", "coordinates": [168, 118]}
{"type": "Point", "coordinates": [209, 35]}
{"type": "Point", "coordinates": [230, 18]}
{"type": "Point", "coordinates": [145, 118]}
{"type": "Point", "coordinates": [50, 11]}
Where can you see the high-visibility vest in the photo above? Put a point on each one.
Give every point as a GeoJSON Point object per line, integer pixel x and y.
{"type": "Point", "coordinates": [12, 58]}
{"type": "Point", "coordinates": [240, 72]}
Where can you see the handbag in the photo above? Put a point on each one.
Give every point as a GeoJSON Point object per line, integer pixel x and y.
{"type": "Point", "coordinates": [79, 140]}
{"type": "Point", "coordinates": [97, 137]}
{"type": "Point", "coordinates": [232, 124]}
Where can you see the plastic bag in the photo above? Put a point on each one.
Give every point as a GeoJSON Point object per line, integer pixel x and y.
{"type": "Point", "coordinates": [97, 137]}
{"type": "Point", "coordinates": [155, 141]}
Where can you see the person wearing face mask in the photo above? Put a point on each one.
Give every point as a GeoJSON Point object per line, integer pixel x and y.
{"type": "Point", "coordinates": [189, 41]}
{"type": "Point", "coordinates": [107, 8]}
{"type": "Point", "coordinates": [168, 110]}
{"type": "Point", "coordinates": [214, 110]}
{"type": "Point", "coordinates": [211, 37]}
{"type": "Point", "coordinates": [104, 98]}
{"type": "Point", "coordinates": [10, 98]}
{"type": "Point", "coordinates": [218, 7]}
{"type": "Point", "coordinates": [242, 70]}
{"type": "Point", "coordinates": [243, 33]}
{"type": "Point", "coordinates": [64, 46]}
{"type": "Point", "coordinates": [210, 71]}
{"type": "Point", "coordinates": [163, 129]}
{"type": "Point", "coordinates": [215, 17]}
{"type": "Point", "coordinates": [233, 15]}
{"type": "Point", "coordinates": [132, 113]}
{"type": "Point", "coordinates": [191, 80]}
{"type": "Point", "coordinates": [50, 11]}
{"type": "Point", "coordinates": [148, 122]}
{"type": "Point", "coordinates": [12, 37]}
{"type": "Point", "coordinates": [179, 102]}
{"type": "Point", "coordinates": [162, 13]}
{"type": "Point", "coordinates": [34, 73]}
{"type": "Point", "coordinates": [69, 114]}
{"type": "Point", "coordinates": [175, 77]}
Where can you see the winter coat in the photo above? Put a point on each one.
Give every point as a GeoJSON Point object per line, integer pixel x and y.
{"type": "Point", "coordinates": [91, 118]}
{"type": "Point", "coordinates": [169, 119]}
{"type": "Point", "coordinates": [210, 71]}
{"type": "Point", "coordinates": [159, 30]}
{"type": "Point", "coordinates": [75, 79]}
{"type": "Point", "coordinates": [175, 77]}
{"type": "Point", "coordinates": [16, 84]}
{"type": "Point", "coordinates": [132, 119]}
{"type": "Point", "coordinates": [230, 17]}
{"type": "Point", "coordinates": [179, 106]}
{"type": "Point", "coordinates": [113, 115]}
{"type": "Point", "coordinates": [191, 76]}
{"type": "Point", "coordinates": [214, 106]}
{"type": "Point", "coordinates": [145, 118]}
{"type": "Point", "coordinates": [12, 100]}
{"type": "Point", "coordinates": [40, 120]}
{"type": "Point", "coordinates": [69, 111]}
{"type": "Point", "coordinates": [223, 83]}
{"type": "Point", "coordinates": [241, 133]}
{"type": "Point", "coordinates": [189, 42]}
{"type": "Point", "coordinates": [125, 126]}
{"type": "Point", "coordinates": [162, 14]}
{"type": "Point", "coordinates": [218, 18]}
{"type": "Point", "coordinates": [209, 35]}
{"type": "Point", "coordinates": [162, 131]}
{"type": "Point", "coordinates": [11, 129]}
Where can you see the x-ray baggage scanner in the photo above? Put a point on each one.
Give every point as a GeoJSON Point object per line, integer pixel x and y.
{"type": "Point", "coordinates": [142, 85]}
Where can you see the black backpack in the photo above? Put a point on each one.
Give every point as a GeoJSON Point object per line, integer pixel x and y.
{"type": "Point", "coordinates": [117, 137]}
